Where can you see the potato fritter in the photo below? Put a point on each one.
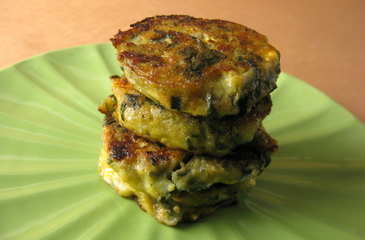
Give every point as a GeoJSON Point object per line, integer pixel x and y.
{"type": "Point", "coordinates": [174, 129]}
{"type": "Point", "coordinates": [209, 68]}
{"type": "Point", "coordinates": [174, 185]}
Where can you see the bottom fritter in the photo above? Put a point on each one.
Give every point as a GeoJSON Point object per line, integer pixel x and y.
{"type": "Point", "coordinates": [166, 212]}
{"type": "Point", "coordinates": [174, 185]}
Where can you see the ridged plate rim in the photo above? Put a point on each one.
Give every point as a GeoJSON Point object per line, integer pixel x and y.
{"type": "Point", "coordinates": [50, 140]}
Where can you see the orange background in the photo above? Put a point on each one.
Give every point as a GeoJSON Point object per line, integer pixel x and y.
{"type": "Point", "coordinates": [322, 42]}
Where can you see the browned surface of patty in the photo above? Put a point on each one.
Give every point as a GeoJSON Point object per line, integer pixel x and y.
{"type": "Point", "coordinates": [187, 63]}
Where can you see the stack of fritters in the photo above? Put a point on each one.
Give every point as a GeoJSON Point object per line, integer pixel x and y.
{"type": "Point", "coordinates": [183, 130]}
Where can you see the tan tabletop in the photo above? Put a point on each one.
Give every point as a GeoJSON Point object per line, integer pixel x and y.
{"type": "Point", "coordinates": [321, 41]}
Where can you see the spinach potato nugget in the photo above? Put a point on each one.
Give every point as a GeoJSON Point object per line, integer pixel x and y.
{"type": "Point", "coordinates": [180, 130]}
{"type": "Point", "coordinates": [183, 133]}
{"type": "Point", "coordinates": [203, 67]}
{"type": "Point", "coordinates": [175, 185]}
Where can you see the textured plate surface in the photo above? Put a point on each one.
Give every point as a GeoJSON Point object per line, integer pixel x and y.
{"type": "Point", "coordinates": [50, 137]}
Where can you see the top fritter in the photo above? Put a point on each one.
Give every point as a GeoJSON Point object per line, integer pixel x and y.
{"type": "Point", "coordinates": [209, 68]}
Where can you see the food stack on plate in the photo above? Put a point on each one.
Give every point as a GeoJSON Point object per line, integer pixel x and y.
{"type": "Point", "coordinates": [183, 132]}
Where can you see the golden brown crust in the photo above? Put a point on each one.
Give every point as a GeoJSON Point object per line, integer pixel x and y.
{"type": "Point", "coordinates": [182, 63]}
{"type": "Point", "coordinates": [123, 145]}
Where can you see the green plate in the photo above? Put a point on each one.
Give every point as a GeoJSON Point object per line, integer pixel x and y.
{"type": "Point", "coordinates": [50, 137]}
